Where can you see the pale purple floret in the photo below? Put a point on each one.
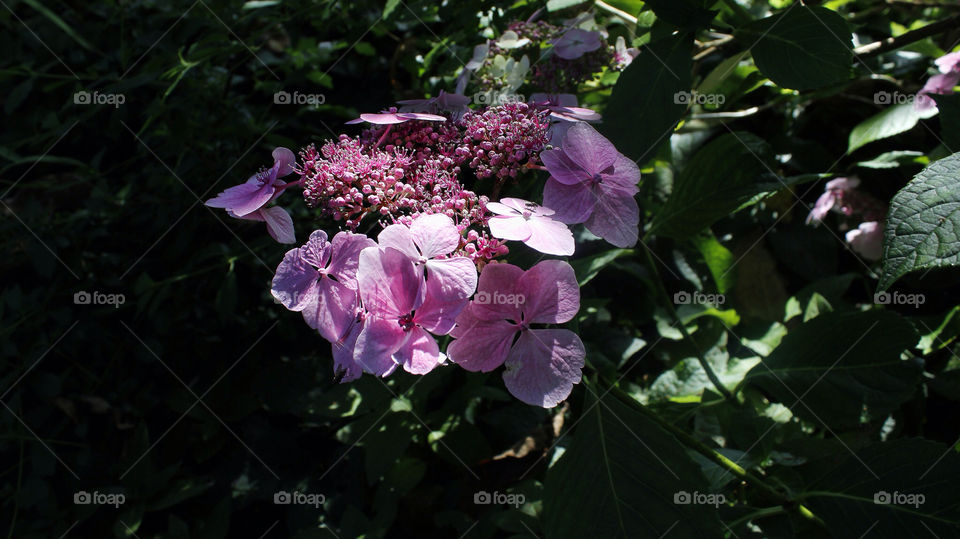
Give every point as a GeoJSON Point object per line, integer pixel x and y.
{"type": "Point", "coordinates": [592, 183]}
{"type": "Point", "coordinates": [942, 83]}
{"type": "Point", "coordinates": [454, 104]}
{"type": "Point", "coordinates": [867, 240]}
{"type": "Point", "coordinates": [260, 189]}
{"type": "Point", "coordinates": [320, 281]}
{"type": "Point", "coordinates": [520, 220]}
{"type": "Point", "coordinates": [576, 42]}
{"type": "Point", "coordinates": [450, 280]}
{"type": "Point", "coordinates": [543, 364]}
{"type": "Point", "coordinates": [833, 197]}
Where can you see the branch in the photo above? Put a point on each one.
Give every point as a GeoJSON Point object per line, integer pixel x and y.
{"type": "Point", "coordinates": [893, 43]}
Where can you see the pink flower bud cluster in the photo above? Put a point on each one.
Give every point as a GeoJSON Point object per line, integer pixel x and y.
{"type": "Point", "coordinates": [500, 140]}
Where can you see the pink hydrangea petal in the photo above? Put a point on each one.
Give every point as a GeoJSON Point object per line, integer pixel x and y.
{"type": "Point", "coordinates": [517, 204]}
{"type": "Point", "coordinates": [293, 281]}
{"type": "Point", "coordinates": [616, 219]}
{"type": "Point", "coordinates": [400, 238]}
{"type": "Point", "coordinates": [509, 228]}
{"type": "Point", "coordinates": [497, 281]}
{"type": "Point", "coordinates": [377, 343]}
{"type": "Point", "coordinates": [948, 62]}
{"type": "Point", "coordinates": [502, 209]}
{"type": "Point", "coordinates": [390, 284]}
{"type": "Point", "coordinates": [345, 256]}
{"type": "Point", "coordinates": [420, 353]}
{"type": "Point", "coordinates": [543, 366]}
{"type": "Point", "coordinates": [572, 203]}
{"type": "Point", "coordinates": [867, 240]}
{"type": "Point", "coordinates": [422, 116]}
{"type": "Point", "coordinates": [244, 198]}
{"type": "Point", "coordinates": [624, 177]}
{"type": "Point", "coordinates": [822, 207]}
{"type": "Point", "coordinates": [549, 236]}
{"type": "Point", "coordinates": [385, 118]}
{"type": "Point", "coordinates": [481, 345]}
{"type": "Point", "coordinates": [435, 234]}
{"type": "Point", "coordinates": [279, 224]}
{"type": "Point", "coordinates": [286, 159]}
{"type": "Point", "coordinates": [317, 250]}
{"type": "Point", "coordinates": [551, 293]}
{"type": "Point", "coordinates": [586, 147]}
{"type": "Point", "coordinates": [450, 283]}
{"type": "Point", "coordinates": [343, 354]}
{"type": "Point", "coordinates": [562, 169]}
{"type": "Point", "coordinates": [333, 311]}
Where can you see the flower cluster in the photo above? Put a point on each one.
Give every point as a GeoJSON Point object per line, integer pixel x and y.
{"type": "Point", "coordinates": [416, 173]}
{"type": "Point", "coordinates": [842, 196]}
{"type": "Point", "coordinates": [941, 83]}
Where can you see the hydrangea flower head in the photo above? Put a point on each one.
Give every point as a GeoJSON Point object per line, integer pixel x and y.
{"type": "Point", "coordinates": [543, 364]}
{"type": "Point", "coordinates": [520, 220]}
{"type": "Point", "coordinates": [320, 281]}
{"type": "Point", "coordinates": [259, 189]}
{"type": "Point", "coordinates": [592, 183]}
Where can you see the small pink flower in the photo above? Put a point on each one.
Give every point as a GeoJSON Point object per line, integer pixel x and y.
{"type": "Point", "coordinates": [592, 183]}
{"type": "Point", "coordinates": [520, 220]}
{"type": "Point", "coordinates": [867, 240]}
{"type": "Point", "coordinates": [948, 62]}
{"type": "Point", "coordinates": [576, 42]}
{"type": "Point", "coordinates": [834, 194]}
{"type": "Point", "coordinates": [543, 364]}
{"type": "Point", "coordinates": [260, 189]}
{"type": "Point", "coordinates": [623, 56]}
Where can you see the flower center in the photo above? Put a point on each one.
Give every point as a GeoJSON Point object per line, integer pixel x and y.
{"type": "Point", "coordinates": [406, 322]}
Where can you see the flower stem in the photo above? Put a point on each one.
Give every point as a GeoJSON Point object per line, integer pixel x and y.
{"type": "Point", "coordinates": [383, 136]}
{"type": "Point", "coordinates": [668, 304]}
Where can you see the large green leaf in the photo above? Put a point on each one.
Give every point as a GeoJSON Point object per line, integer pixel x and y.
{"type": "Point", "coordinates": [838, 367]}
{"type": "Point", "coordinates": [888, 122]}
{"type": "Point", "coordinates": [720, 179]}
{"type": "Point", "coordinates": [619, 477]}
{"type": "Point", "coordinates": [902, 488]}
{"type": "Point", "coordinates": [801, 48]}
{"type": "Point", "coordinates": [923, 226]}
{"type": "Point", "coordinates": [643, 108]}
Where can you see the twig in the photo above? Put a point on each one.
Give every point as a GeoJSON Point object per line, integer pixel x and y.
{"type": "Point", "coordinates": [616, 11]}
{"type": "Point", "coordinates": [893, 43]}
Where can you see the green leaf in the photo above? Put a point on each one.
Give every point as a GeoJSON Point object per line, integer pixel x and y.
{"type": "Point", "coordinates": [618, 478]}
{"type": "Point", "coordinates": [949, 106]}
{"type": "Point", "coordinates": [557, 5]}
{"type": "Point", "coordinates": [643, 111]}
{"type": "Point", "coordinates": [891, 159]}
{"type": "Point", "coordinates": [719, 261]}
{"type": "Point", "coordinates": [945, 333]}
{"type": "Point", "coordinates": [67, 29]}
{"type": "Point", "coordinates": [917, 476]}
{"type": "Point", "coordinates": [719, 180]}
{"type": "Point", "coordinates": [256, 4]}
{"type": "Point", "coordinates": [801, 48]}
{"type": "Point", "coordinates": [886, 123]}
{"type": "Point", "coordinates": [923, 225]}
{"type": "Point", "coordinates": [588, 268]}
{"type": "Point", "coordinates": [839, 366]}
{"type": "Point", "coordinates": [388, 9]}
{"type": "Point", "coordinates": [682, 13]}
